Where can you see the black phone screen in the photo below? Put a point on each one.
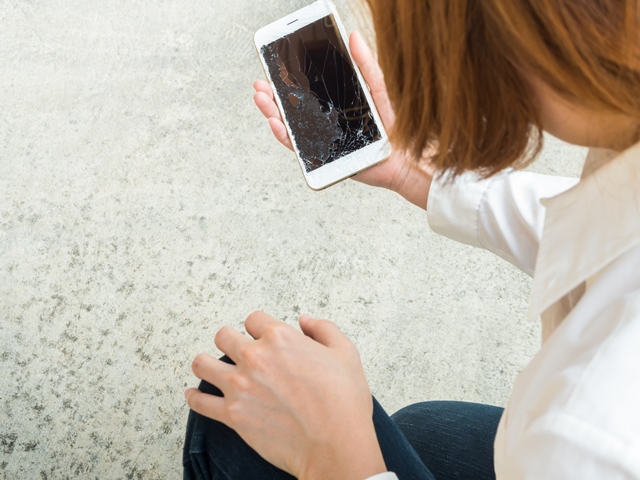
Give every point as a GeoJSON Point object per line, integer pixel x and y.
{"type": "Point", "coordinates": [323, 101]}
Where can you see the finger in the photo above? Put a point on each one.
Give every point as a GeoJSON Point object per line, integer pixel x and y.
{"type": "Point", "coordinates": [208, 405]}
{"type": "Point", "coordinates": [212, 370]}
{"type": "Point", "coordinates": [372, 74]}
{"type": "Point", "coordinates": [266, 105]}
{"type": "Point", "coordinates": [230, 341]}
{"type": "Point", "coordinates": [258, 323]}
{"type": "Point", "coordinates": [322, 331]}
{"type": "Point", "coordinates": [366, 62]}
{"type": "Point", "coordinates": [280, 132]}
{"type": "Point", "coordinates": [264, 87]}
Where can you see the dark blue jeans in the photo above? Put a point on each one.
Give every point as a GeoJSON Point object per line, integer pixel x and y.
{"type": "Point", "coordinates": [425, 441]}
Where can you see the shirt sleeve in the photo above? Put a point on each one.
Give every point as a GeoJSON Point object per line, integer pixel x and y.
{"type": "Point", "coordinates": [384, 476]}
{"type": "Point", "coordinates": [561, 446]}
{"type": "Point", "coordinates": [502, 214]}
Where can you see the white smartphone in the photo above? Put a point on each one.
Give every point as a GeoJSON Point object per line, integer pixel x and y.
{"type": "Point", "coordinates": [326, 106]}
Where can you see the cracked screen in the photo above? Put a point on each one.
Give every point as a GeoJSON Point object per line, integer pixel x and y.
{"type": "Point", "coordinates": [323, 101]}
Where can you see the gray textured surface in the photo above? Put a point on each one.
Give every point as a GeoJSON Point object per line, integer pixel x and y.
{"type": "Point", "coordinates": [144, 204]}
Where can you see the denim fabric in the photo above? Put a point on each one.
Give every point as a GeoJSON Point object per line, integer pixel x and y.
{"type": "Point", "coordinates": [453, 439]}
{"type": "Point", "coordinates": [426, 441]}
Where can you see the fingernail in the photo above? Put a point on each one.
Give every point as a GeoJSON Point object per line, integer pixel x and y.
{"type": "Point", "coordinates": [304, 316]}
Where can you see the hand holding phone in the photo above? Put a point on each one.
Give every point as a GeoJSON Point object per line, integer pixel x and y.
{"type": "Point", "coordinates": [400, 173]}
{"type": "Point", "coordinates": [325, 106]}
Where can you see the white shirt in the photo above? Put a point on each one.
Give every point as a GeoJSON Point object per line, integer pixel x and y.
{"type": "Point", "coordinates": [574, 412]}
{"type": "Point", "coordinates": [575, 409]}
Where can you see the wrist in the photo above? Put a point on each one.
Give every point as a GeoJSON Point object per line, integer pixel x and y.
{"type": "Point", "coordinates": [413, 184]}
{"type": "Point", "coordinates": [356, 458]}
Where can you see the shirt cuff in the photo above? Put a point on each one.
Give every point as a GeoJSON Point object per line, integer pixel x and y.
{"type": "Point", "coordinates": [453, 206]}
{"type": "Point", "coordinates": [384, 476]}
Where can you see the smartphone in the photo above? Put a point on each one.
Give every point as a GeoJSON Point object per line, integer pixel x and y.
{"type": "Point", "coordinates": [326, 106]}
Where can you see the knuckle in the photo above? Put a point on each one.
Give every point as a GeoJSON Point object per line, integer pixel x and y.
{"type": "Point", "coordinates": [234, 413]}
{"type": "Point", "coordinates": [327, 325]}
{"type": "Point", "coordinates": [196, 403]}
{"type": "Point", "coordinates": [239, 384]}
{"type": "Point", "coordinates": [253, 316]}
{"type": "Point", "coordinates": [221, 334]}
{"type": "Point", "coordinates": [250, 356]}
{"type": "Point", "coordinates": [275, 333]}
{"type": "Point", "coordinates": [223, 331]}
{"type": "Point", "coordinates": [330, 328]}
{"type": "Point", "coordinates": [198, 362]}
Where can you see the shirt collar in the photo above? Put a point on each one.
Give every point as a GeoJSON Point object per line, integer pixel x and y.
{"type": "Point", "coordinates": [586, 228]}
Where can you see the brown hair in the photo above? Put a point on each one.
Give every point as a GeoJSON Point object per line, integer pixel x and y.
{"type": "Point", "coordinates": [456, 71]}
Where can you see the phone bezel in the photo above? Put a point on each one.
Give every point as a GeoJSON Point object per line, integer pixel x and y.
{"type": "Point", "coordinates": [347, 166]}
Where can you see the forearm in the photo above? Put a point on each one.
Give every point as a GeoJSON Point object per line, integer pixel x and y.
{"type": "Point", "coordinates": [357, 458]}
{"type": "Point", "coordinates": [413, 184]}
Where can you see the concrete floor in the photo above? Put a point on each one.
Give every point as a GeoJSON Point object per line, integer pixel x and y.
{"type": "Point", "coordinates": [144, 204]}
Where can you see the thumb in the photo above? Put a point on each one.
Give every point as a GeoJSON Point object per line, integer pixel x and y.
{"type": "Point", "coordinates": [368, 65]}
{"type": "Point", "coordinates": [366, 61]}
{"type": "Point", "coordinates": [322, 331]}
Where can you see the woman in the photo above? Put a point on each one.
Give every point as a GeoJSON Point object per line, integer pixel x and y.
{"type": "Point", "coordinates": [478, 82]}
